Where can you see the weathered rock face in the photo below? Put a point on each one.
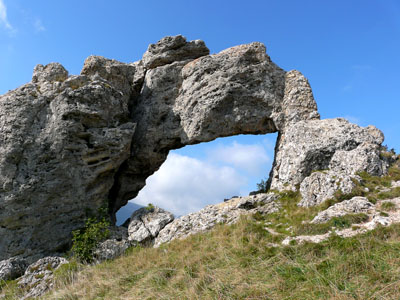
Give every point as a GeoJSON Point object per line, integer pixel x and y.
{"type": "Point", "coordinates": [70, 144]}
{"type": "Point", "coordinates": [355, 205]}
{"type": "Point", "coordinates": [227, 212]}
{"type": "Point", "coordinates": [62, 141]}
{"type": "Point", "coordinates": [146, 223]}
{"type": "Point", "coordinates": [38, 277]}
{"type": "Point", "coordinates": [330, 144]}
{"type": "Point", "coordinates": [322, 185]}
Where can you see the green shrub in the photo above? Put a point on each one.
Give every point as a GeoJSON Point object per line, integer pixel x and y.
{"type": "Point", "coordinates": [86, 239]}
{"type": "Point", "coordinates": [262, 186]}
{"type": "Point", "coordinates": [149, 207]}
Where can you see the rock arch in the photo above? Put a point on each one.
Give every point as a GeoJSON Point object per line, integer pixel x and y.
{"type": "Point", "coordinates": [70, 144]}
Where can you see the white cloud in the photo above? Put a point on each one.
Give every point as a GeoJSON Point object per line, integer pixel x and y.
{"type": "Point", "coordinates": [3, 16]}
{"type": "Point", "coordinates": [38, 25]}
{"type": "Point", "coordinates": [249, 158]}
{"type": "Point", "coordinates": [184, 184]}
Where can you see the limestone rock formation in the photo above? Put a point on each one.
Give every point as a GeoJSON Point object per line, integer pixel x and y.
{"type": "Point", "coordinates": [38, 277]}
{"type": "Point", "coordinates": [72, 144]}
{"type": "Point", "coordinates": [146, 223]}
{"type": "Point", "coordinates": [322, 185]}
{"type": "Point", "coordinates": [227, 212]}
{"type": "Point", "coordinates": [330, 144]}
{"type": "Point", "coordinates": [62, 142]}
{"type": "Point", "coordinates": [353, 206]}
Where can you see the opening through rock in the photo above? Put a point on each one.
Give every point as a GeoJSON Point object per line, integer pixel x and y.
{"type": "Point", "coordinates": [206, 173]}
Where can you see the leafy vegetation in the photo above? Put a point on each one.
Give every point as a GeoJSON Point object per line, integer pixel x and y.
{"type": "Point", "coordinates": [262, 186]}
{"type": "Point", "coordinates": [85, 240]}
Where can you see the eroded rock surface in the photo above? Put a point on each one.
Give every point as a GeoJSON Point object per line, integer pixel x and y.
{"type": "Point", "coordinates": [227, 212]}
{"type": "Point", "coordinates": [146, 223]}
{"type": "Point", "coordinates": [71, 144]}
{"type": "Point", "coordinates": [39, 276]}
{"type": "Point", "coordinates": [353, 206]}
{"type": "Point", "coordinates": [322, 185]}
{"type": "Point", "coordinates": [333, 145]}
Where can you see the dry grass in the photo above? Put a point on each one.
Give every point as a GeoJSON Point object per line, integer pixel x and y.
{"type": "Point", "coordinates": [235, 262]}
{"type": "Point", "coordinates": [238, 262]}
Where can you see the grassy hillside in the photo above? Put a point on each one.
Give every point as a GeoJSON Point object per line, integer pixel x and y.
{"type": "Point", "coordinates": [237, 262]}
{"type": "Point", "coordinates": [241, 261]}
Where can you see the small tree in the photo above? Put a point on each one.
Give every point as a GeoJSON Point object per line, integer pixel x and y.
{"type": "Point", "coordinates": [262, 186]}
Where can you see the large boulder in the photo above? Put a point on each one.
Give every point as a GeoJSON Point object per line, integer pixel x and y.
{"type": "Point", "coordinates": [146, 222]}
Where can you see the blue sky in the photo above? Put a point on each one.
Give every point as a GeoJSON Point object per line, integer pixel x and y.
{"type": "Point", "coordinates": [349, 51]}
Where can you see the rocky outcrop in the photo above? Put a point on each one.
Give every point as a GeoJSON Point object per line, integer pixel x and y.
{"type": "Point", "coordinates": [227, 212]}
{"type": "Point", "coordinates": [355, 205]}
{"type": "Point", "coordinates": [39, 276]}
{"type": "Point", "coordinates": [71, 144]}
{"type": "Point", "coordinates": [146, 223]}
{"type": "Point", "coordinates": [63, 140]}
{"type": "Point", "coordinates": [323, 156]}
{"type": "Point", "coordinates": [322, 185]}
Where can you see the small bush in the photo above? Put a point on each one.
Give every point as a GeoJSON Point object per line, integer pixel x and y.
{"type": "Point", "coordinates": [85, 240]}
{"type": "Point", "coordinates": [150, 207]}
{"type": "Point", "coordinates": [262, 186]}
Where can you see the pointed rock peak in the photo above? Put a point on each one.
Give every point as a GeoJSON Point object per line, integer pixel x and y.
{"type": "Point", "coordinates": [298, 101]}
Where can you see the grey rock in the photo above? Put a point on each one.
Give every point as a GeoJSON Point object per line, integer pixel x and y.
{"type": "Point", "coordinates": [353, 206]}
{"type": "Point", "coordinates": [12, 268]}
{"type": "Point", "coordinates": [322, 185]}
{"type": "Point", "coordinates": [307, 146]}
{"type": "Point", "coordinates": [146, 223]}
{"type": "Point", "coordinates": [237, 91]}
{"type": "Point", "coordinates": [395, 184]}
{"type": "Point", "coordinates": [39, 276]}
{"type": "Point", "coordinates": [63, 145]}
{"type": "Point", "coordinates": [110, 249]}
{"type": "Point", "coordinates": [363, 158]}
{"type": "Point", "coordinates": [49, 73]}
{"type": "Point", "coordinates": [171, 49]}
{"type": "Point", "coordinates": [227, 212]}
{"type": "Point", "coordinates": [298, 101]}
